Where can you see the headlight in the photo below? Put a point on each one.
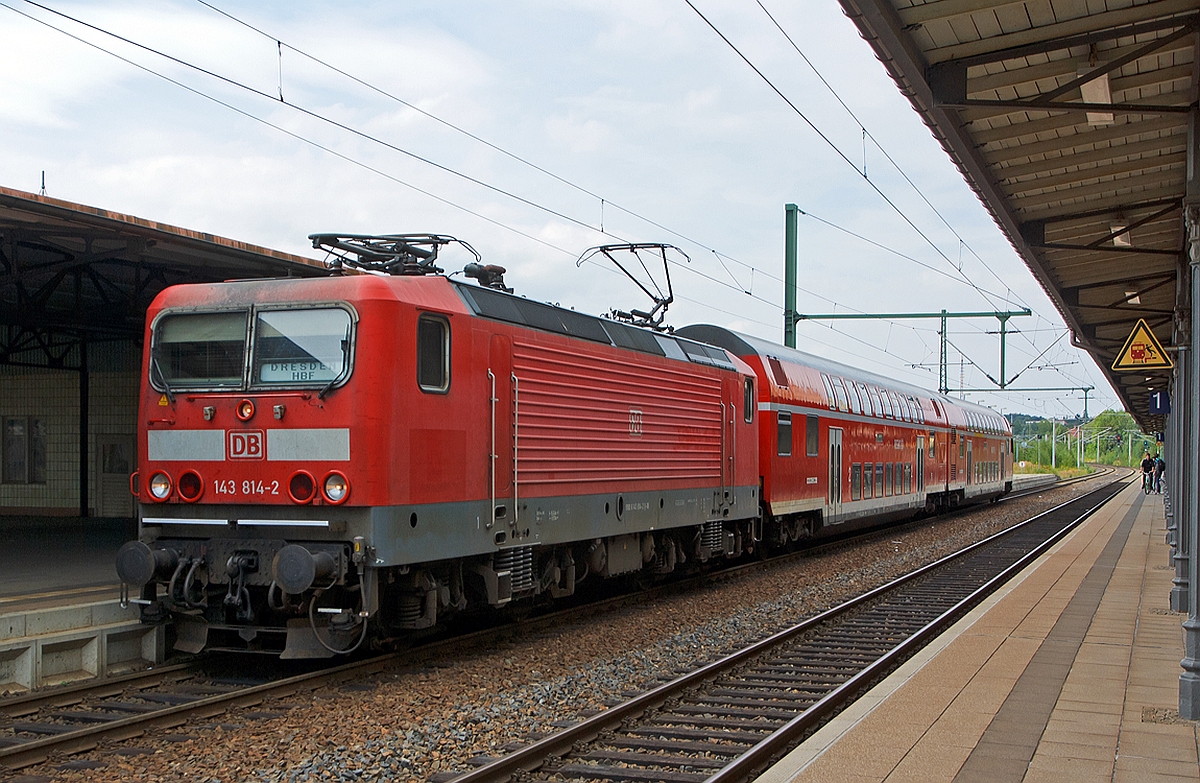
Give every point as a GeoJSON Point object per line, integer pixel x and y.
{"type": "Point", "coordinates": [336, 488]}
{"type": "Point", "coordinates": [160, 486]}
{"type": "Point", "coordinates": [245, 410]}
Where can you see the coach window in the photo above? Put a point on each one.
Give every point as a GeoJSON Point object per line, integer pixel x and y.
{"type": "Point", "coordinates": [829, 392]}
{"type": "Point", "coordinates": [433, 354]}
{"type": "Point", "coordinates": [875, 402]}
{"type": "Point", "coordinates": [811, 435]}
{"type": "Point", "coordinates": [887, 479]}
{"type": "Point", "coordinates": [852, 393]}
{"type": "Point", "coordinates": [856, 481]}
{"type": "Point", "coordinates": [879, 485]}
{"type": "Point", "coordinates": [868, 480]}
{"type": "Point", "coordinates": [748, 400]}
{"type": "Point", "coordinates": [843, 404]}
{"type": "Point", "coordinates": [784, 435]}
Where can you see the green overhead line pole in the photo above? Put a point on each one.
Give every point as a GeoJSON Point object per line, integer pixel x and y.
{"type": "Point", "coordinates": [791, 211]}
{"type": "Point", "coordinates": [943, 383]}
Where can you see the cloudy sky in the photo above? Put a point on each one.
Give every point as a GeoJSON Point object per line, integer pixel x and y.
{"type": "Point", "coordinates": [534, 130]}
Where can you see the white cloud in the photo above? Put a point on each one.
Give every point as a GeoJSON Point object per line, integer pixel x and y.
{"type": "Point", "coordinates": [636, 101]}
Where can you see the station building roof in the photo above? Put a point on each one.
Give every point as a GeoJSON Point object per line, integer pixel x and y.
{"type": "Point", "coordinates": [1070, 119]}
{"type": "Point", "coordinates": [70, 272]}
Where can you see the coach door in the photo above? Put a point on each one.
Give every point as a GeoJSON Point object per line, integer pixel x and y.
{"type": "Point", "coordinates": [835, 472]}
{"type": "Point", "coordinates": [920, 464]}
{"type": "Point", "coordinates": [970, 462]}
{"type": "Point", "coordinates": [503, 442]}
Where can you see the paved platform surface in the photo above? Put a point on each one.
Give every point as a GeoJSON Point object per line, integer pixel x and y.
{"type": "Point", "coordinates": [1071, 673]}
{"type": "Point", "coordinates": [53, 561]}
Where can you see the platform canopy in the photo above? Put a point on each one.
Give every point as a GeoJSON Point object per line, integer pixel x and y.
{"type": "Point", "coordinates": [1070, 119]}
{"type": "Point", "coordinates": [70, 273]}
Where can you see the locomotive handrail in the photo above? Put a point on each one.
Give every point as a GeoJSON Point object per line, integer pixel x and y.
{"type": "Point", "coordinates": [516, 445]}
{"type": "Point", "coordinates": [724, 451]}
{"type": "Point", "coordinates": [492, 455]}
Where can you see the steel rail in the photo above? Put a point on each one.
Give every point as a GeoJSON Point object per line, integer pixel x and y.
{"type": "Point", "coordinates": [537, 754]}
{"type": "Point", "coordinates": [87, 738]}
{"type": "Point", "coordinates": [28, 703]}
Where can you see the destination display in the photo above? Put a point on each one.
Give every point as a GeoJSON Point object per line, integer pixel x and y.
{"type": "Point", "coordinates": [297, 371]}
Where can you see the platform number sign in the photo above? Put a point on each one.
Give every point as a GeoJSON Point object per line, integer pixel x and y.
{"type": "Point", "coordinates": [1160, 403]}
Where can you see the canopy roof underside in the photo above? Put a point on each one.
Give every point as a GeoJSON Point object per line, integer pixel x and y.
{"type": "Point", "coordinates": [1070, 119]}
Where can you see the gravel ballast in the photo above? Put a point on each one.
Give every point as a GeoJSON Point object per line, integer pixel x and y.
{"type": "Point", "coordinates": [410, 723]}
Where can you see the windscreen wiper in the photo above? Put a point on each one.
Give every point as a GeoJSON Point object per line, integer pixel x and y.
{"type": "Point", "coordinates": [162, 378]}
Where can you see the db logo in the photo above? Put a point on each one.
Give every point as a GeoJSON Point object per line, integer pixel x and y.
{"type": "Point", "coordinates": [635, 423]}
{"type": "Point", "coordinates": [246, 444]}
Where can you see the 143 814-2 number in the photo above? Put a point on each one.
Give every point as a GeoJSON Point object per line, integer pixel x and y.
{"type": "Point", "coordinates": [247, 487]}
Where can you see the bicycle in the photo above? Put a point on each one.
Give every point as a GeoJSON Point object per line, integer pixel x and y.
{"type": "Point", "coordinates": [1147, 483]}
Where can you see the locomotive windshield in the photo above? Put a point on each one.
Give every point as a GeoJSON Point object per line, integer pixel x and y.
{"type": "Point", "coordinates": [201, 349]}
{"type": "Point", "coordinates": [300, 346]}
{"type": "Point", "coordinates": [306, 348]}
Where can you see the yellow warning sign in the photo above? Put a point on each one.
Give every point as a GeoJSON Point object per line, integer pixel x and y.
{"type": "Point", "coordinates": [162, 401]}
{"type": "Point", "coordinates": [1142, 351]}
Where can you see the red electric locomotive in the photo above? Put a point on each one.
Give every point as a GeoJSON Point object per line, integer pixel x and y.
{"type": "Point", "coordinates": [324, 460]}
{"type": "Point", "coordinates": [323, 457]}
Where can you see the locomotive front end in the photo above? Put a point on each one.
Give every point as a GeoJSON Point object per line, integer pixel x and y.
{"type": "Point", "coordinates": [248, 539]}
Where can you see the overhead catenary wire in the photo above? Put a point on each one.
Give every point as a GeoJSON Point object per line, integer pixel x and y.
{"type": "Point", "coordinates": [374, 169]}
{"type": "Point", "coordinates": [603, 201]}
{"type": "Point", "coordinates": [962, 242]}
{"type": "Point", "coordinates": [821, 134]}
{"type": "Point", "coordinates": [316, 115]}
{"type": "Point", "coordinates": [868, 135]}
{"type": "Point", "coordinates": [720, 257]}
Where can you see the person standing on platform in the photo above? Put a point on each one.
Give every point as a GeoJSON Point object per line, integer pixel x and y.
{"type": "Point", "coordinates": [1160, 467]}
{"type": "Point", "coordinates": [1147, 472]}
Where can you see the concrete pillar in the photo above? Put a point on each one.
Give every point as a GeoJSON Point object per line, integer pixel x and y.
{"type": "Point", "coordinates": [1189, 681]}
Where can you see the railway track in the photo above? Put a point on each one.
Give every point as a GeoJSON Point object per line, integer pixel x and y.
{"type": "Point", "coordinates": [77, 718]}
{"type": "Point", "coordinates": [729, 719]}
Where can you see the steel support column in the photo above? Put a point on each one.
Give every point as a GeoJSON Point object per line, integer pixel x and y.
{"type": "Point", "coordinates": [1177, 483]}
{"type": "Point", "coordinates": [1189, 680]}
{"type": "Point", "coordinates": [85, 444]}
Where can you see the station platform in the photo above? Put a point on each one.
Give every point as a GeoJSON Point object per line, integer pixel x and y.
{"type": "Point", "coordinates": [1069, 673]}
{"type": "Point", "coordinates": [60, 614]}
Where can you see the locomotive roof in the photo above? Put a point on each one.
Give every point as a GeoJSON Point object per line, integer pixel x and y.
{"type": "Point", "coordinates": [490, 303]}
{"type": "Point", "coordinates": [744, 345]}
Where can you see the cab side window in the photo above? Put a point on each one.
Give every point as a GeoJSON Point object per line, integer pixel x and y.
{"type": "Point", "coordinates": [433, 354]}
